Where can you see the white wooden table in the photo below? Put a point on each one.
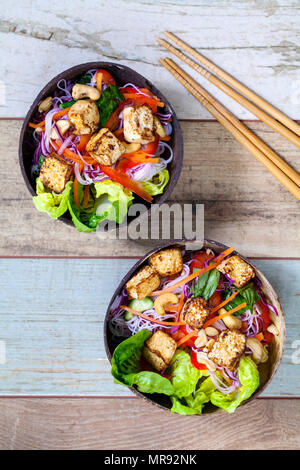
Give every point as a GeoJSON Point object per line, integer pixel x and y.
{"type": "Point", "coordinates": [51, 329]}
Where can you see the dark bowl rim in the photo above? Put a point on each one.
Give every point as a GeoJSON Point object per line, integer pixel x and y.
{"type": "Point", "coordinates": [76, 70]}
{"type": "Point", "coordinates": [222, 247]}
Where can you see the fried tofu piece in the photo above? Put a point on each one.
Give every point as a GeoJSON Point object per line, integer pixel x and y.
{"type": "Point", "coordinates": [237, 269]}
{"type": "Point", "coordinates": [85, 117]}
{"type": "Point", "coordinates": [195, 312]}
{"type": "Point", "coordinates": [139, 124]}
{"type": "Point", "coordinates": [159, 350]}
{"type": "Point", "coordinates": [167, 262]}
{"type": "Point", "coordinates": [228, 349]}
{"type": "Point", "coordinates": [55, 172]}
{"type": "Point", "coordinates": [143, 283]}
{"type": "Point", "coordinates": [105, 147]}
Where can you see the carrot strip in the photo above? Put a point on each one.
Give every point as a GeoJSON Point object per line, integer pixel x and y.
{"type": "Point", "coordinates": [226, 301]}
{"type": "Point", "coordinates": [211, 321]}
{"type": "Point", "coordinates": [180, 306]}
{"type": "Point", "coordinates": [83, 141]}
{"type": "Point", "coordinates": [73, 156]}
{"type": "Point", "coordinates": [75, 191]}
{"type": "Point", "coordinates": [260, 337]}
{"type": "Point", "coordinates": [159, 322]}
{"type": "Point", "coordinates": [192, 276]}
{"type": "Point", "coordinates": [166, 138]}
{"type": "Point", "coordinates": [141, 159]}
{"type": "Point", "coordinates": [55, 116]}
{"type": "Point", "coordinates": [187, 337]}
{"type": "Point", "coordinates": [86, 196]}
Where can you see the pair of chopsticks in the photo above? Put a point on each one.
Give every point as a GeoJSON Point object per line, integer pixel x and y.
{"type": "Point", "coordinates": [277, 120]}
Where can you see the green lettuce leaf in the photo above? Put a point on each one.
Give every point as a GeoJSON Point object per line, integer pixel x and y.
{"type": "Point", "coordinates": [50, 202]}
{"type": "Point", "coordinates": [184, 376]}
{"type": "Point", "coordinates": [249, 378]}
{"type": "Point", "coordinates": [194, 403]}
{"type": "Point", "coordinates": [113, 200]}
{"type": "Point", "coordinates": [157, 183]}
{"type": "Point", "coordinates": [108, 201]}
{"type": "Point", "coordinates": [127, 371]}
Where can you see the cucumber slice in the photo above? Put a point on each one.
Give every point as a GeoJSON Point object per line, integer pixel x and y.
{"type": "Point", "coordinates": [128, 316]}
{"type": "Point", "coordinates": [141, 305]}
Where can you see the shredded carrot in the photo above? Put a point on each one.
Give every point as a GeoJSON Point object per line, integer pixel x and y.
{"type": "Point", "coordinates": [75, 191]}
{"type": "Point", "coordinates": [86, 196]}
{"type": "Point", "coordinates": [211, 321]}
{"type": "Point", "coordinates": [260, 337]}
{"type": "Point", "coordinates": [153, 320]}
{"type": "Point", "coordinates": [55, 116]}
{"type": "Point", "coordinates": [83, 141]}
{"type": "Point", "coordinates": [192, 276]}
{"type": "Point", "coordinates": [226, 301]}
{"type": "Point", "coordinates": [187, 337]}
{"type": "Point", "coordinates": [73, 156]}
{"type": "Point", "coordinates": [138, 159]}
{"type": "Point", "coordinates": [166, 138]}
{"type": "Point", "coordinates": [180, 305]}
{"type": "Point", "coordinates": [134, 96]}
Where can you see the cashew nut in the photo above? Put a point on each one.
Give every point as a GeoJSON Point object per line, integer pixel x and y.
{"type": "Point", "coordinates": [272, 329]}
{"type": "Point", "coordinates": [201, 339]}
{"type": "Point", "coordinates": [162, 300]}
{"type": "Point", "coordinates": [259, 352]}
{"type": "Point", "coordinates": [133, 147]}
{"type": "Point", "coordinates": [80, 91]}
{"type": "Point", "coordinates": [62, 125]}
{"type": "Point", "coordinates": [203, 359]}
{"type": "Point", "coordinates": [45, 105]}
{"type": "Point", "coordinates": [159, 128]}
{"type": "Point", "coordinates": [209, 345]}
{"type": "Point", "coordinates": [211, 331]}
{"type": "Point", "coordinates": [231, 321]}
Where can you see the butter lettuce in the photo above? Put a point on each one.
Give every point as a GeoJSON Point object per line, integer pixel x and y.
{"type": "Point", "coordinates": [108, 201]}
{"type": "Point", "coordinates": [50, 202]}
{"type": "Point", "coordinates": [126, 367]}
{"type": "Point", "coordinates": [249, 378]}
{"type": "Point", "coordinates": [157, 183]}
{"type": "Point", "coordinates": [184, 376]}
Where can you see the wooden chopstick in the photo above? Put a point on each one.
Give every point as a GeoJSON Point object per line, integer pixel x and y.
{"type": "Point", "coordinates": [284, 131]}
{"type": "Point", "coordinates": [226, 122]}
{"type": "Point", "coordinates": [242, 127]}
{"type": "Point", "coordinates": [263, 104]}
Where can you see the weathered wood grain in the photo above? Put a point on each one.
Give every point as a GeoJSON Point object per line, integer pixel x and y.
{"type": "Point", "coordinates": [129, 423]}
{"type": "Point", "coordinates": [244, 205]}
{"type": "Point", "coordinates": [52, 314]}
{"type": "Point", "coordinates": [256, 41]}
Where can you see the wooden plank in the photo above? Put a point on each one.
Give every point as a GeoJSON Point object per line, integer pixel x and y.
{"type": "Point", "coordinates": [52, 325]}
{"type": "Point", "coordinates": [244, 205]}
{"type": "Point", "coordinates": [254, 41]}
{"type": "Point", "coordinates": [92, 423]}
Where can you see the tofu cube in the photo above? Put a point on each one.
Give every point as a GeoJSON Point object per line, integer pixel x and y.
{"type": "Point", "coordinates": [159, 350]}
{"type": "Point", "coordinates": [55, 172]}
{"type": "Point", "coordinates": [237, 269]}
{"type": "Point", "coordinates": [105, 147]}
{"type": "Point", "coordinates": [85, 117]}
{"type": "Point", "coordinates": [143, 283]}
{"type": "Point", "coordinates": [228, 349]}
{"type": "Point", "coordinates": [167, 262]}
{"type": "Point", "coordinates": [195, 312]}
{"type": "Point", "coordinates": [138, 124]}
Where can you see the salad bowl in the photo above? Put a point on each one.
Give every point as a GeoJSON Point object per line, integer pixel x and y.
{"type": "Point", "coordinates": [122, 75]}
{"type": "Point", "coordinates": [268, 316]}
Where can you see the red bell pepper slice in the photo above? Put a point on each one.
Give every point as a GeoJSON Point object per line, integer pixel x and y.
{"type": "Point", "coordinates": [196, 363]}
{"type": "Point", "coordinates": [107, 78]}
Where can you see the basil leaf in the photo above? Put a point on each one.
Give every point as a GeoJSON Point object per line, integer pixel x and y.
{"type": "Point", "coordinates": [108, 102]}
{"type": "Point", "coordinates": [247, 294]}
{"type": "Point", "coordinates": [207, 284]}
